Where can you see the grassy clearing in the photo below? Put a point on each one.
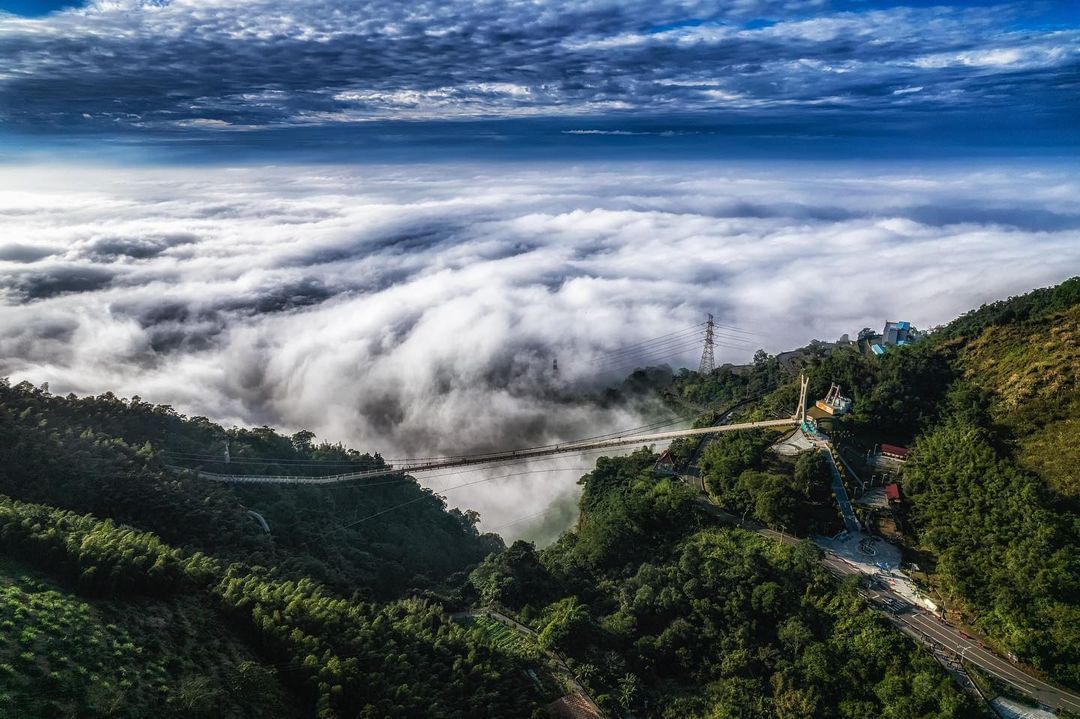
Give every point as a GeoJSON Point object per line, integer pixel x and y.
{"type": "Point", "coordinates": [510, 641]}
{"type": "Point", "coordinates": [505, 639]}
{"type": "Point", "coordinates": [1033, 370]}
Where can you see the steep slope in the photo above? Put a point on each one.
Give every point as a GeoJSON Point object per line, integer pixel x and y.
{"type": "Point", "coordinates": [664, 614]}
{"type": "Point", "coordinates": [1032, 370]}
{"type": "Point", "coordinates": [54, 450]}
{"type": "Point", "coordinates": [173, 570]}
{"type": "Point", "coordinates": [988, 404]}
{"type": "Point", "coordinates": [62, 654]}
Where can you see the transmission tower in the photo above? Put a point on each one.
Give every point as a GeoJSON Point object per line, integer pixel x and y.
{"type": "Point", "coordinates": [708, 362]}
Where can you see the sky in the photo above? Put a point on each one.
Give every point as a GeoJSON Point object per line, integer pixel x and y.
{"type": "Point", "coordinates": [385, 80]}
{"type": "Point", "coordinates": [382, 221]}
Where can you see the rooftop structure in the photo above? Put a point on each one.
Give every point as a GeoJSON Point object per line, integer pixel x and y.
{"type": "Point", "coordinates": [896, 333]}
{"type": "Point", "coordinates": [833, 403]}
{"type": "Point", "coordinates": [891, 450]}
{"type": "Point", "coordinates": [665, 464]}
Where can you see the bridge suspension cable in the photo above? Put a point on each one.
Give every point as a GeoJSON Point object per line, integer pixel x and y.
{"type": "Point", "coordinates": [301, 463]}
{"type": "Point", "coordinates": [451, 489]}
{"type": "Point", "coordinates": [568, 448]}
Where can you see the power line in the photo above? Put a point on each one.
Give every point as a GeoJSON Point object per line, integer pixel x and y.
{"type": "Point", "coordinates": [737, 329]}
{"type": "Point", "coordinates": [444, 491]}
{"type": "Point", "coordinates": [659, 354]}
{"type": "Point", "coordinates": [642, 346]}
{"type": "Point", "coordinates": [649, 350]}
{"type": "Point", "coordinates": [662, 352]}
{"type": "Point", "coordinates": [522, 519]}
{"type": "Point", "coordinates": [735, 336]}
{"type": "Point", "coordinates": [731, 332]}
{"type": "Point", "coordinates": [650, 340]}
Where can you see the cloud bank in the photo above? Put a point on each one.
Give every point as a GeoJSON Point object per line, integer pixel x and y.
{"type": "Point", "coordinates": [416, 311]}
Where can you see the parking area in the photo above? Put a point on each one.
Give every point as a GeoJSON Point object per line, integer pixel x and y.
{"type": "Point", "coordinates": [1015, 710]}
{"type": "Point", "coordinates": [876, 558]}
{"type": "Point", "coordinates": [793, 445]}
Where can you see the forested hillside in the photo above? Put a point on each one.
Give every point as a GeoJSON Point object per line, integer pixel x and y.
{"type": "Point", "coordinates": [101, 455]}
{"type": "Point", "coordinates": [74, 653]}
{"type": "Point", "coordinates": [994, 481]}
{"type": "Point", "coordinates": [662, 613]}
{"type": "Point", "coordinates": [203, 614]}
{"type": "Point", "coordinates": [131, 589]}
{"type": "Point", "coordinates": [989, 406]}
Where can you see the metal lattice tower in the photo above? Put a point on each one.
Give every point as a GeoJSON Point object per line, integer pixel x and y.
{"type": "Point", "coordinates": [708, 362]}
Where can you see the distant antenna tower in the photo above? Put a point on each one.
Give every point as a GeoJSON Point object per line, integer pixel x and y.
{"type": "Point", "coordinates": [555, 366]}
{"type": "Point", "coordinates": [708, 362]}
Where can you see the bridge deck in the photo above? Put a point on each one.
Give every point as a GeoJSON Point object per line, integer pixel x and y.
{"type": "Point", "coordinates": [517, 454]}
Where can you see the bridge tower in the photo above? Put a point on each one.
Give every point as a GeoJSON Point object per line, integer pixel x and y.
{"type": "Point", "coordinates": [708, 362]}
{"type": "Point", "coordinates": [804, 384]}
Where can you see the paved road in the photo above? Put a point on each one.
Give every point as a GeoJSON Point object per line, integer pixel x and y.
{"type": "Point", "coordinates": [1000, 668]}
{"type": "Point", "coordinates": [927, 629]}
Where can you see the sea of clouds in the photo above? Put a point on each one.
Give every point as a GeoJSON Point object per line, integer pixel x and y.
{"type": "Point", "coordinates": [416, 310]}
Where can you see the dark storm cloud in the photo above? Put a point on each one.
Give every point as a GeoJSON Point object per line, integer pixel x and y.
{"type": "Point", "coordinates": [281, 298]}
{"type": "Point", "coordinates": [59, 280]}
{"type": "Point", "coordinates": [15, 252]}
{"type": "Point", "coordinates": [192, 65]}
{"type": "Point", "coordinates": [109, 249]}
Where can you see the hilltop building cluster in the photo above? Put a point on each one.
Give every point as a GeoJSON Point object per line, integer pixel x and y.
{"type": "Point", "coordinates": [895, 334]}
{"type": "Point", "coordinates": [868, 342]}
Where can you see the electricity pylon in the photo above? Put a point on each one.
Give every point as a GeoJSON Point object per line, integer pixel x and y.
{"type": "Point", "coordinates": [708, 362]}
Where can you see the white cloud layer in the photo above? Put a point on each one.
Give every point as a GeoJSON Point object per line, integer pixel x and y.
{"type": "Point", "coordinates": [415, 311]}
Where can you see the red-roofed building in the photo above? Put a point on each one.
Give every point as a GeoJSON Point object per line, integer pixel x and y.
{"type": "Point", "coordinates": [666, 464]}
{"type": "Point", "coordinates": [891, 450]}
{"type": "Point", "coordinates": [892, 491]}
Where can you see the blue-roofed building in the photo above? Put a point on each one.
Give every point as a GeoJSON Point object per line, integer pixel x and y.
{"type": "Point", "coordinates": [896, 333]}
{"type": "Point", "coordinates": [877, 349]}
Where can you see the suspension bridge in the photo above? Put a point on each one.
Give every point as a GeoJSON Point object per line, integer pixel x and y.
{"type": "Point", "coordinates": [418, 466]}
{"type": "Point", "coordinates": [924, 628]}
{"type": "Point", "coordinates": [427, 465]}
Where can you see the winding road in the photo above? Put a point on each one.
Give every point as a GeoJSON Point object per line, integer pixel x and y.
{"type": "Point", "coordinates": [925, 628]}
